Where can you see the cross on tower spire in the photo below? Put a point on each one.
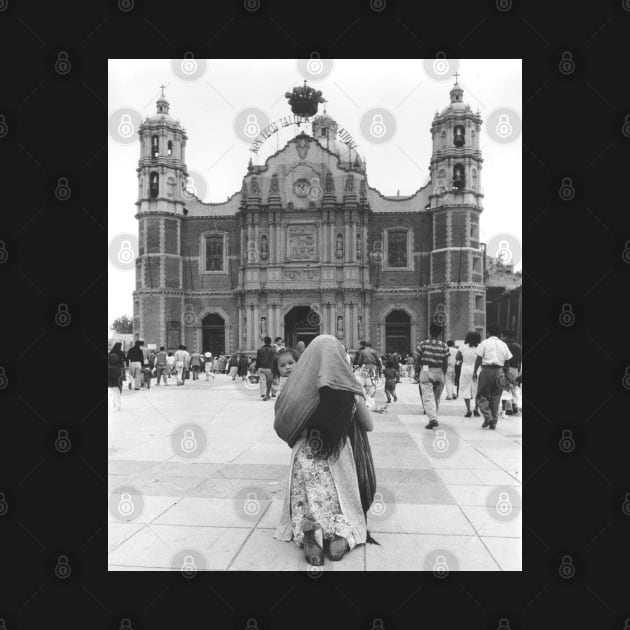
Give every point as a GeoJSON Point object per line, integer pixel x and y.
{"type": "Point", "coordinates": [456, 75]}
{"type": "Point", "coordinates": [162, 86]}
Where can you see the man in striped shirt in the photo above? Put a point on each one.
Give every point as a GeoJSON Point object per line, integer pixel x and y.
{"type": "Point", "coordinates": [433, 356]}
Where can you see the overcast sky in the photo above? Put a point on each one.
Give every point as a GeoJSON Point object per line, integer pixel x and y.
{"type": "Point", "coordinates": [209, 99]}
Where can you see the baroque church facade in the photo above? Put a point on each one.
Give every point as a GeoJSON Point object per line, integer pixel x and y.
{"type": "Point", "coordinates": [307, 246]}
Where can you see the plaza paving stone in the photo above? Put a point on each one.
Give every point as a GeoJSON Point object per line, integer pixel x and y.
{"type": "Point", "coordinates": [225, 503]}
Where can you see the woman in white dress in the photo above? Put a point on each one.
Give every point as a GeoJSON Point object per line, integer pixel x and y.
{"type": "Point", "coordinates": [467, 354]}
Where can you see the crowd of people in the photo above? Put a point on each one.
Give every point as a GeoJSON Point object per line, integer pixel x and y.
{"type": "Point", "coordinates": [323, 397]}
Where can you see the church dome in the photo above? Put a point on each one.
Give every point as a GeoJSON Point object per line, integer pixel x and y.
{"type": "Point", "coordinates": [324, 129]}
{"type": "Point", "coordinates": [457, 104]}
{"type": "Point", "coordinates": [162, 115]}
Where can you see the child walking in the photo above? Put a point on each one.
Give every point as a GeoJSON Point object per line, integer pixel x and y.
{"type": "Point", "coordinates": [391, 378]}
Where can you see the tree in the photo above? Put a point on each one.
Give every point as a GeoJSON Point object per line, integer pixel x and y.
{"type": "Point", "coordinates": [123, 325]}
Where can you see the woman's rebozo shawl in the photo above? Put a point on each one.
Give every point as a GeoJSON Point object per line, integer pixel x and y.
{"type": "Point", "coordinates": [322, 364]}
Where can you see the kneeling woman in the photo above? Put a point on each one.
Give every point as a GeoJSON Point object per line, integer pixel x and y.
{"type": "Point", "coordinates": [315, 413]}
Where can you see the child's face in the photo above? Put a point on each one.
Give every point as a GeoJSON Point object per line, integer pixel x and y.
{"type": "Point", "coordinates": [286, 363]}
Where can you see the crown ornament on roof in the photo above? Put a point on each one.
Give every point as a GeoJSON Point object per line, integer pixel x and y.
{"type": "Point", "coordinates": [304, 100]}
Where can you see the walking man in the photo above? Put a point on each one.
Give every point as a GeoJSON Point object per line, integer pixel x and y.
{"type": "Point", "coordinates": [161, 367]}
{"type": "Point", "coordinates": [135, 356]}
{"type": "Point", "coordinates": [181, 363]}
{"type": "Point", "coordinates": [195, 364]}
{"type": "Point", "coordinates": [433, 357]}
{"type": "Point", "coordinates": [264, 365]}
{"type": "Point", "coordinates": [492, 354]}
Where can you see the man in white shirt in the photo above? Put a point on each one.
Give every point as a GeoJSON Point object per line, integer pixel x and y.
{"type": "Point", "coordinates": [182, 358]}
{"type": "Point", "coordinates": [492, 355]}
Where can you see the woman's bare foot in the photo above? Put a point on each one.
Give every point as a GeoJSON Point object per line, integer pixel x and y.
{"type": "Point", "coordinates": [338, 548]}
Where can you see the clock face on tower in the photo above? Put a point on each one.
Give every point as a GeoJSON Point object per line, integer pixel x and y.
{"type": "Point", "coordinates": [301, 187]}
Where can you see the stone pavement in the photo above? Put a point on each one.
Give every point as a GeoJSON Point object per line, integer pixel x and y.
{"type": "Point", "coordinates": [197, 476]}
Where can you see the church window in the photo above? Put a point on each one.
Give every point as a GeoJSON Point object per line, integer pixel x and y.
{"type": "Point", "coordinates": [397, 248]}
{"type": "Point", "coordinates": [474, 179]}
{"type": "Point", "coordinates": [459, 181]}
{"type": "Point", "coordinates": [155, 150]}
{"type": "Point", "coordinates": [323, 131]}
{"type": "Point", "coordinates": [154, 184]}
{"type": "Point", "coordinates": [169, 150]}
{"type": "Point", "coordinates": [214, 252]}
{"type": "Point", "coordinates": [458, 136]}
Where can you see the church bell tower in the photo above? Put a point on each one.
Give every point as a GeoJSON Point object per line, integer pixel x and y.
{"type": "Point", "coordinates": [456, 291]}
{"type": "Point", "coordinates": [161, 208]}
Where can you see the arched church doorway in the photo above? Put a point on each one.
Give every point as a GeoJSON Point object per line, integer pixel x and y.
{"type": "Point", "coordinates": [213, 334]}
{"type": "Point", "coordinates": [298, 326]}
{"type": "Point", "coordinates": [398, 332]}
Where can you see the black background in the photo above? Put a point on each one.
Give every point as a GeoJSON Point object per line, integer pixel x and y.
{"type": "Point", "coordinates": [56, 127]}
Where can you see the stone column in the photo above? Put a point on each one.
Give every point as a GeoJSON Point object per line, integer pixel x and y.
{"type": "Point", "coordinates": [333, 239]}
{"type": "Point", "coordinates": [325, 239]}
{"type": "Point", "coordinates": [346, 324]}
{"type": "Point", "coordinates": [256, 336]}
{"type": "Point", "coordinates": [257, 235]}
{"type": "Point", "coordinates": [354, 242]}
{"type": "Point", "coordinates": [348, 246]}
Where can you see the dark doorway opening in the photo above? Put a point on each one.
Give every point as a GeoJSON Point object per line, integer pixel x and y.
{"type": "Point", "coordinates": [398, 332]}
{"type": "Point", "coordinates": [299, 326]}
{"type": "Point", "coordinates": [213, 334]}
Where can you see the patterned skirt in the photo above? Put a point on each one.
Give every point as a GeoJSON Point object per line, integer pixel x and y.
{"type": "Point", "coordinates": [313, 495]}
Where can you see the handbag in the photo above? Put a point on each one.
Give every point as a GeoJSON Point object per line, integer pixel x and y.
{"type": "Point", "coordinates": [364, 464]}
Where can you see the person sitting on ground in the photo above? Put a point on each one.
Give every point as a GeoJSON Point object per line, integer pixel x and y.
{"type": "Point", "coordinates": [315, 413]}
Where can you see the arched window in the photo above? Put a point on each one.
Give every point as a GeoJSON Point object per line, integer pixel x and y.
{"type": "Point", "coordinates": [458, 136]}
{"type": "Point", "coordinates": [459, 181]}
{"type": "Point", "coordinates": [155, 146]}
{"type": "Point", "coordinates": [169, 150]}
{"type": "Point", "coordinates": [475, 183]}
{"type": "Point", "coordinates": [154, 184]}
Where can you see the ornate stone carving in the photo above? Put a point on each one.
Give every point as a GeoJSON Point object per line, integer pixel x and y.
{"type": "Point", "coordinates": [301, 242]}
{"type": "Point", "coordinates": [349, 183]}
{"type": "Point", "coordinates": [303, 145]}
{"type": "Point", "coordinates": [330, 183]}
{"type": "Point", "coordinates": [254, 187]}
{"type": "Point", "coordinates": [340, 326]}
{"type": "Point", "coordinates": [301, 274]}
{"type": "Point", "coordinates": [274, 188]}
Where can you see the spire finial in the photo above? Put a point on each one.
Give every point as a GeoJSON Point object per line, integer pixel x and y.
{"type": "Point", "coordinates": [162, 87]}
{"type": "Point", "coordinates": [456, 75]}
